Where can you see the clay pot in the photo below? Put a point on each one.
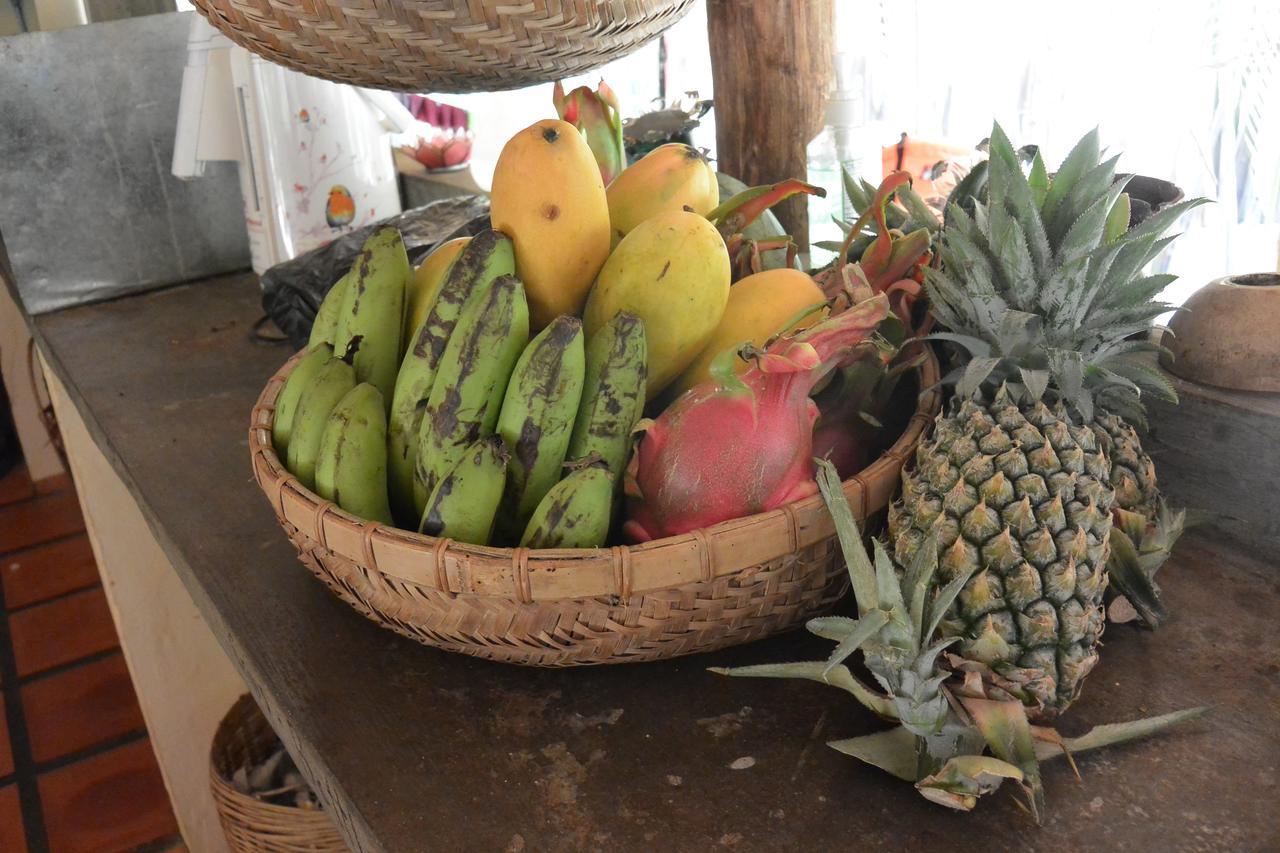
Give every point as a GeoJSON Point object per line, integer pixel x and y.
{"type": "Point", "coordinates": [1229, 334]}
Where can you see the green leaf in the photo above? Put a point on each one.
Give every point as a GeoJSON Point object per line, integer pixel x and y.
{"type": "Point", "coordinates": [1087, 231]}
{"type": "Point", "coordinates": [921, 215]}
{"type": "Point", "coordinates": [1068, 371]}
{"type": "Point", "coordinates": [1117, 220]}
{"type": "Point", "coordinates": [1162, 220]}
{"type": "Point", "coordinates": [1150, 379]}
{"type": "Point", "coordinates": [1012, 197]}
{"type": "Point", "coordinates": [1017, 269]}
{"type": "Point", "coordinates": [1126, 576]}
{"type": "Point", "coordinates": [1113, 733]}
{"type": "Point", "coordinates": [861, 573]}
{"type": "Point", "coordinates": [865, 629]}
{"type": "Point", "coordinates": [816, 670]}
{"type": "Point", "coordinates": [1037, 381]}
{"type": "Point", "coordinates": [893, 751]}
{"type": "Point", "coordinates": [919, 579]}
{"type": "Point", "coordinates": [1017, 329]}
{"type": "Point", "coordinates": [888, 589]}
{"type": "Point", "coordinates": [944, 601]}
{"type": "Point", "coordinates": [1096, 182]}
{"type": "Point", "coordinates": [854, 189]}
{"type": "Point", "coordinates": [965, 778]}
{"type": "Point", "coordinates": [972, 187]}
{"type": "Point", "coordinates": [975, 347]}
{"type": "Point", "coordinates": [834, 628]}
{"type": "Point", "coordinates": [1008, 733]}
{"type": "Point", "coordinates": [975, 373]}
{"type": "Point", "coordinates": [1083, 156]}
{"type": "Point", "coordinates": [1038, 181]}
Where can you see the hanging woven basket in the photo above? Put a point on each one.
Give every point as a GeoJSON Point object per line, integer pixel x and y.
{"type": "Point", "coordinates": [731, 583]}
{"type": "Point", "coordinates": [442, 45]}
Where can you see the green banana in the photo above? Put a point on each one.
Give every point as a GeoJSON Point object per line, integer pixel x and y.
{"type": "Point", "coordinates": [324, 329]}
{"type": "Point", "coordinates": [373, 309]}
{"type": "Point", "coordinates": [291, 394]}
{"type": "Point", "coordinates": [471, 381]}
{"type": "Point", "coordinates": [575, 513]}
{"type": "Point", "coordinates": [330, 384]}
{"type": "Point", "coordinates": [537, 416]}
{"type": "Point", "coordinates": [487, 256]}
{"type": "Point", "coordinates": [464, 504]}
{"type": "Point", "coordinates": [351, 465]}
{"type": "Point", "coordinates": [613, 395]}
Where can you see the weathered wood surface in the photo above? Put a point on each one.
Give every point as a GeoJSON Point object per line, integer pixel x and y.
{"type": "Point", "coordinates": [415, 749]}
{"type": "Point", "coordinates": [771, 68]}
{"type": "Point", "coordinates": [1218, 451]}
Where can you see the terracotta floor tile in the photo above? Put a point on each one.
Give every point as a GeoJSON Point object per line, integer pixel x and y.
{"type": "Point", "coordinates": [56, 483]}
{"type": "Point", "coordinates": [61, 631]}
{"type": "Point", "coordinates": [16, 486]}
{"type": "Point", "coordinates": [41, 520]}
{"type": "Point", "coordinates": [6, 749]}
{"type": "Point", "coordinates": [12, 835]}
{"type": "Point", "coordinates": [47, 571]}
{"type": "Point", "coordinates": [113, 801]}
{"type": "Point", "coordinates": [80, 707]}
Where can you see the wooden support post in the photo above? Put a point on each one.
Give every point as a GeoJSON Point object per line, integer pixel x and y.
{"type": "Point", "coordinates": [771, 67]}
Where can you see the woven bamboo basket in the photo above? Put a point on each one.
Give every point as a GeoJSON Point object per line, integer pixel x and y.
{"type": "Point", "coordinates": [731, 583]}
{"type": "Point", "coordinates": [244, 737]}
{"type": "Point", "coordinates": [442, 45]}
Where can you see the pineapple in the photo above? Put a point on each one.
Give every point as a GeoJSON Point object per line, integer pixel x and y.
{"type": "Point", "coordinates": [1040, 289]}
{"type": "Point", "coordinates": [1133, 474]}
{"type": "Point", "coordinates": [947, 720]}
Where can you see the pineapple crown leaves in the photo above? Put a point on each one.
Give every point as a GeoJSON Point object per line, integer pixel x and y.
{"type": "Point", "coordinates": [1140, 545]}
{"type": "Point", "coordinates": [944, 733]}
{"type": "Point", "coordinates": [1040, 283]}
{"type": "Point", "coordinates": [911, 213]}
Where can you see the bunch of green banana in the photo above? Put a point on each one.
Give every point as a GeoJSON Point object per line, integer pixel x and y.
{"type": "Point", "coordinates": [373, 309]}
{"type": "Point", "coordinates": [331, 382]}
{"type": "Point", "coordinates": [291, 394]}
{"type": "Point", "coordinates": [537, 416]}
{"type": "Point", "coordinates": [613, 395]}
{"type": "Point", "coordinates": [575, 513]}
{"type": "Point", "coordinates": [470, 381]}
{"type": "Point", "coordinates": [465, 502]}
{"type": "Point", "coordinates": [351, 464]}
{"type": "Point", "coordinates": [324, 329]}
{"type": "Point", "coordinates": [487, 256]}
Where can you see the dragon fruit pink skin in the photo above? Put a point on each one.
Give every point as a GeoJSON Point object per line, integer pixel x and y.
{"type": "Point", "coordinates": [736, 446]}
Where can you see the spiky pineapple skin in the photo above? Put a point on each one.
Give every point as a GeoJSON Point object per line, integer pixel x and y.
{"type": "Point", "coordinates": [1133, 474]}
{"type": "Point", "coordinates": [1024, 493]}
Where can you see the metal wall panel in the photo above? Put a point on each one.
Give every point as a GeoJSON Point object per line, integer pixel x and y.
{"type": "Point", "coordinates": [88, 208]}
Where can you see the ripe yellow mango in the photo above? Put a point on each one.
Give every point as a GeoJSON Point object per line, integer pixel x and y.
{"type": "Point", "coordinates": [670, 177]}
{"type": "Point", "coordinates": [760, 306]}
{"type": "Point", "coordinates": [671, 271]}
{"type": "Point", "coordinates": [547, 197]}
{"type": "Point", "coordinates": [425, 284]}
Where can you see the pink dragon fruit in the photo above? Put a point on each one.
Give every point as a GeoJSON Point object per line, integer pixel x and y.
{"type": "Point", "coordinates": [738, 445]}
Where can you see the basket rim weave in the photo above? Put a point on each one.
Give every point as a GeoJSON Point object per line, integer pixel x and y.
{"type": "Point", "coordinates": [612, 572]}
{"type": "Point", "coordinates": [250, 823]}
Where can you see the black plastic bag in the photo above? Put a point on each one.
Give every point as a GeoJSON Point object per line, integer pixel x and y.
{"type": "Point", "coordinates": [292, 291]}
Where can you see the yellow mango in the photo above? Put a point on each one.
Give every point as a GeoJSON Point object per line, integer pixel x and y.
{"type": "Point", "coordinates": [670, 177]}
{"type": "Point", "coordinates": [760, 306]}
{"type": "Point", "coordinates": [547, 197]}
{"type": "Point", "coordinates": [425, 284]}
{"type": "Point", "coordinates": [671, 271]}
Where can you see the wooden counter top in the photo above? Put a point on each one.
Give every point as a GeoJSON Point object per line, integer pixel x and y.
{"type": "Point", "coordinates": [414, 749]}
